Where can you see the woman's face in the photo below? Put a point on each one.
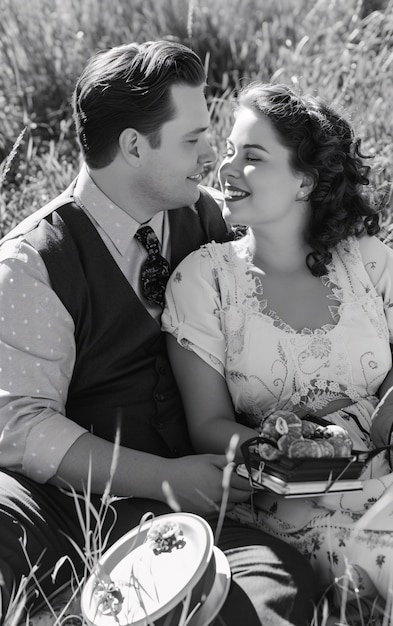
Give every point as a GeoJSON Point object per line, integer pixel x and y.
{"type": "Point", "coordinates": [256, 177]}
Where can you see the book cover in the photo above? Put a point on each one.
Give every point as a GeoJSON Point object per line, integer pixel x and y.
{"type": "Point", "coordinates": [262, 480]}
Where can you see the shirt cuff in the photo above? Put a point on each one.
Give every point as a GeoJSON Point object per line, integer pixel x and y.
{"type": "Point", "coordinates": [46, 446]}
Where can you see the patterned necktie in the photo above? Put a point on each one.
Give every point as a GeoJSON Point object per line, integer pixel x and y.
{"type": "Point", "coordinates": [155, 270]}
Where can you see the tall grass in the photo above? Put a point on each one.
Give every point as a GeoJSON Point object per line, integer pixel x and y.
{"type": "Point", "coordinates": [65, 608]}
{"type": "Point", "coordinates": [342, 51]}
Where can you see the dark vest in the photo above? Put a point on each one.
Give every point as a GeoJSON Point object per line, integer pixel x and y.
{"type": "Point", "coordinates": [122, 379]}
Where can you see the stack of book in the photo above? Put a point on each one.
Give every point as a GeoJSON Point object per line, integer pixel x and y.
{"type": "Point", "coordinates": [291, 487]}
{"type": "Point", "coordinates": [293, 477]}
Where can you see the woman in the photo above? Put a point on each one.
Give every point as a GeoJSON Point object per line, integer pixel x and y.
{"type": "Point", "coordinates": [297, 314]}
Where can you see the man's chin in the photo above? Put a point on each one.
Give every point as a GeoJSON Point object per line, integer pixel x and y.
{"type": "Point", "coordinates": [193, 195]}
{"type": "Point", "coordinates": [188, 198]}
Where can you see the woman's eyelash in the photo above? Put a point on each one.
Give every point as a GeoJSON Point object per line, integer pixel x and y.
{"type": "Point", "coordinates": [229, 153]}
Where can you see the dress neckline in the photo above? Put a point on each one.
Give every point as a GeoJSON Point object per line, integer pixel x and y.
{"type": "Point", "coordinates": [254, 287]}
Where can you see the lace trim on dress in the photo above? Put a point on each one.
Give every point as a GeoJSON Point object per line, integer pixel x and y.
{"type": "Point", "coordinates": [310, 367]}
{"type": "Point", "coordinates": [348, 271]}
{"type": "Point", "coordinates": [253, 286]}
{"type": "Point", "coordinates": [233, 263]}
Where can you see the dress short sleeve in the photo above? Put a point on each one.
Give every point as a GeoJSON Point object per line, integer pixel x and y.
{"type": "Point", "coordinates": [378, 261]}
{"type": "Point", "coordinates": [192, 309]}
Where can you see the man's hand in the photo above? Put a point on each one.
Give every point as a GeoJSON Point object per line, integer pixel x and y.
{"type": "Point", "coordinates": [197, 483]}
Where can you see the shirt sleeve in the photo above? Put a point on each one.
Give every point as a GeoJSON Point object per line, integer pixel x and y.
{"type": "Point", "coordinates": [193, 309]}
{"type": "Point", "coordinates": [37, 355]}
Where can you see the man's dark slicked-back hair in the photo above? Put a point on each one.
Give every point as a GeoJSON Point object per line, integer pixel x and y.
{"type": "Point", "coordinates": [129, 86]}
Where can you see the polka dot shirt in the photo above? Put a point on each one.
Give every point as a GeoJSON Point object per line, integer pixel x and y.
{"type": "Point", "coordinates": [37, 344]}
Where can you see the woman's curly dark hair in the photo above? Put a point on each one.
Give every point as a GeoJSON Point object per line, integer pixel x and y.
{"type": "Point", "coordinates": [322, 144]}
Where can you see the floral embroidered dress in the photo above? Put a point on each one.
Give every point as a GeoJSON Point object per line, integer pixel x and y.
{"type": "Point", "coordinates": [215, 307]}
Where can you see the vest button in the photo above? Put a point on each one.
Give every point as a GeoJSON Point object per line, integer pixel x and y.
{"type": "Point", "coordinates": [162, 370]}
{"type": "Point", "coordinates": [159, 397]}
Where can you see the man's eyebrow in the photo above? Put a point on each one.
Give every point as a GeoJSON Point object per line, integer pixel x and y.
{"type": "Point", "coordinates": [197, 131]}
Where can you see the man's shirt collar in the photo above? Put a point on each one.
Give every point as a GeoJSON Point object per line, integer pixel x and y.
{"type": "Point", "coordinates": [119, 226]}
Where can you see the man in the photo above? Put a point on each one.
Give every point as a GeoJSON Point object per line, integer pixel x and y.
{"type": "Point", "coordinates": [84, 360]}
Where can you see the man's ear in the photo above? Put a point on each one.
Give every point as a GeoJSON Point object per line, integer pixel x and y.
{"type": "Point", "coordinates": [129, 146]}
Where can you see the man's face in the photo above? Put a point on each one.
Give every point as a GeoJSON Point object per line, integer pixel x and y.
{"type": "Point", "coordinates": [169, 175]}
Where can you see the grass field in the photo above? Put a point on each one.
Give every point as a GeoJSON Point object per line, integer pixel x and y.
{"type": "Point", "coordinates": [342, 51]}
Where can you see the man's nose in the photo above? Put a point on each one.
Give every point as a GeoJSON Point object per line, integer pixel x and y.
{"type": "Point", "coordinates": [208, 154]}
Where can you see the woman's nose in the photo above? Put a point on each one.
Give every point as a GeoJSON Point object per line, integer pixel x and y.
{"type": "Point", "coordinates": [228, 168]}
